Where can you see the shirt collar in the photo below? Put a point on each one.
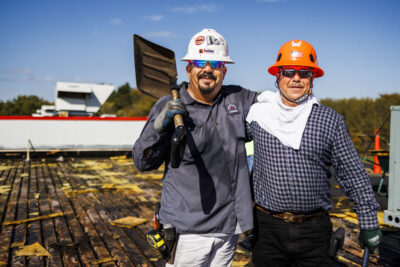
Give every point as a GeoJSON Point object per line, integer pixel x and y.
{"type": "Point", "coordinates": [187, 99]}
{"type": "Point", "coordinates": [184, 95]}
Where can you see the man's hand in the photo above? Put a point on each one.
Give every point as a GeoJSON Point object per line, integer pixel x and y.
{"type": "Point", "coordinates": [370, 238]}
{"type": "Point", "coordinates": [166, 116]}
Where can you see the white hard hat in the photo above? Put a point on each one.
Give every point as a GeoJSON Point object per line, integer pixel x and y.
{"type": "Point", "coordinates": [208, 45]}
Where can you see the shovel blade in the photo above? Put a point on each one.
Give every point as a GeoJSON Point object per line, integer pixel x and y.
{"type": "Point", "coordinates": [155, 67]}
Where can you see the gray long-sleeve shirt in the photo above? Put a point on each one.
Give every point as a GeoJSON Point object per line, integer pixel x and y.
{"type": "Point", "coordinates": [210, 191]}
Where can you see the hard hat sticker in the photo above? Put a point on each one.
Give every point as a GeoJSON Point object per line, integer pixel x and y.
{"type": "Point", "coordinates": [296, 54]}
{"type": "Point", "coordinates": [201, 51]}
{"type": "Point", "coordinates": [212, 40]}
{"type": "Point", "coordinates": [199, 40]}
{"type": "Point", "coordinates": [294, 44]}
{"type": "Point", "coordinates": [208, 51]}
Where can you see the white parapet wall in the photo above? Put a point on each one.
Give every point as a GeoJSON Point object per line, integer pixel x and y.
{"type": "Point", "coordinates": [71, 133]}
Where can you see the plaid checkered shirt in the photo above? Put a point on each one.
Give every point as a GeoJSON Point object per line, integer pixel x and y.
{"type": "Point", "coordinates": [297, 181]}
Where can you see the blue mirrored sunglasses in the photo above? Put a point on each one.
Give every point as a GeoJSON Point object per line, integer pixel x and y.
{"type": "Point", "coordinates": [202, 63]}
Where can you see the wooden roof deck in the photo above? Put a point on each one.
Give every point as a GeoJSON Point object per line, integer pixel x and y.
{"type": "Point", "coordinates": [68, 206]}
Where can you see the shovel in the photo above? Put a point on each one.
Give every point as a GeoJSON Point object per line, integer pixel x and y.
{"type": "Point", "coordinates": [365, 260]}
{"type": "Point", "coordinates": [156, 76]}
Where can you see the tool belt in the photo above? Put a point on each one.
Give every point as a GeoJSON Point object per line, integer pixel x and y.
{"type": "Point", "coordinates": [164, 239]}
{"type": "Point", "coordinates": [294, 218]}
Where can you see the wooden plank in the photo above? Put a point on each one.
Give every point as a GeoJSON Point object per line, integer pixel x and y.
{"type": "Point", "coordinates": [22, 213]}
{"type": "Point", "coordinates": [81, 242]}
{"type": "Point", "coordinates": [103, 230]}
{"type": "Point", "coordinates": [115, 200]}
{"type": "Point", "coordinates": [48, 228]}
{"type": "Point", "coordinates": [99, 248]}
{"type": "Point", "coordinates": [64, 240]}
{"type": "Point", "coordinates": [9, 215]}
{"type": "Point", "coordinates": [137, 233]}
{"type": "Point", "coordinates": [7, 179]}
{"type": "Point", "coordinates": [110, 212]}
{"type": "Point", "coordinates": [34, 228]}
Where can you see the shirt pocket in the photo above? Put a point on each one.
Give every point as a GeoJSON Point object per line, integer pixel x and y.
{"type": "Point", "coordinates": [237, 127]}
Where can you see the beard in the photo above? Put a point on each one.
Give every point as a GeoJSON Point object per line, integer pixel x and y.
{"type": "Point", "coordinates": [207, 88]}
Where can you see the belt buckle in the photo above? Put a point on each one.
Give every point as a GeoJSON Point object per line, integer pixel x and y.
{"type": "Point", "coordinates": [288, 217]}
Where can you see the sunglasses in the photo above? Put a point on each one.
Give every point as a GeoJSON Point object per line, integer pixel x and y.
{"type": "Point", "coordinates": [202, 63]}
{"type": "Point", "coordinates": [290, 73]}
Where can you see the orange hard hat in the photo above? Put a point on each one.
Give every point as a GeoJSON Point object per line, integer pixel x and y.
{"type": "Point", "coordinates": [297, 53]}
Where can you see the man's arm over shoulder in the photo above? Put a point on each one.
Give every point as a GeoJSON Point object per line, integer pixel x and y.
{"type": "Point", "coordinates": [352, 177]}
{"type": "Point", "coordinates": [149, 149]}
{"type": "Point", "coordinates": [247, 96]}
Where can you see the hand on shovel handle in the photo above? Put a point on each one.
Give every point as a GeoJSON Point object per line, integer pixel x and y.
{"type": "Point", "coordinates": [178, 120]}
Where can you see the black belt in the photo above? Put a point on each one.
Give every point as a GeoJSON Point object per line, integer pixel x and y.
{"type": "Point", "coordinates": [293, 217]}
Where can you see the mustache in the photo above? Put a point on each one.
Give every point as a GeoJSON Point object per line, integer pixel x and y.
{"type": "Point", "coordinates": [208, 75]}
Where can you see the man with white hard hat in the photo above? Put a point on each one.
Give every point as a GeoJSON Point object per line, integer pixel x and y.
{"type": "Point", "coordinates": [296, 142]}
{"type": "Point", "coordinates": [207, 198]}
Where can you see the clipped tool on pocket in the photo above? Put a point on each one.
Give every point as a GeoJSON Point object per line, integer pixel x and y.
{"type": "Point", "coordinates": [156, 240]}
{"type": "Point", "coordinates": [336, 243]}
{"type": "Point", "coordinates": [163, 237]}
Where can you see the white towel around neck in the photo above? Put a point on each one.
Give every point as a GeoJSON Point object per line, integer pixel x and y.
{"type": "Point", "coordinates": [284, 122]}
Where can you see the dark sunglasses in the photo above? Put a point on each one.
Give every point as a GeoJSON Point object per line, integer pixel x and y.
{"type": "Point", "coordinates": [202, 63]}
{"type": "Point", "coordinates": [290, 73]}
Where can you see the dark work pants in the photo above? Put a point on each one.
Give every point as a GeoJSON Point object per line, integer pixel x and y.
{"type": "Point", "coordinates": [278, 243]}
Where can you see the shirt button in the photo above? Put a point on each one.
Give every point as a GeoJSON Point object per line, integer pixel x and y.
{"type": "Point", "coordinates": [216, 123]}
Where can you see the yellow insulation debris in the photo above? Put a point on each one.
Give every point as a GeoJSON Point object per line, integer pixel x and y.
{"type": "Point", "coordinates": [5, 189]}
{"type": "Point", "coordinates": [240, 263]}
{"type": "Point", "coordinates": [129, 222]}
{"type": "Point", "coordinates": [105, 260]}
{"type": "Point", "coordinates": [5, 168]}
{"type": "Point", "coordinates": [33, 250]}
{"type": "Point", "coordinates": [17, 244]}
{"type": "Point", "coordinates": [44, 217]}
{"type": "Point", "coordinates": [151, 176]}
{"type": "Point", "coordinates": [132, 188]}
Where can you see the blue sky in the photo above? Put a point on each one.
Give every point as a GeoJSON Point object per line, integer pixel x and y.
{"type": "Point", "coordinates": [42, 42]}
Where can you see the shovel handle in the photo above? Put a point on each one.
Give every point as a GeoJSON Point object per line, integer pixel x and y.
{"type": "Point", "coordinates": [178, 120]}
{"type": "Point", "coordinates": [365, 257]}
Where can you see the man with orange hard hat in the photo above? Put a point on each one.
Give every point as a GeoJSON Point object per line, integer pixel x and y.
{"type": "Point", "coordinates": [296, 141]}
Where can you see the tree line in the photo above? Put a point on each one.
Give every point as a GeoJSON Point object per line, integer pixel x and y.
{"type": "Point", "coordinates": [362, 116]}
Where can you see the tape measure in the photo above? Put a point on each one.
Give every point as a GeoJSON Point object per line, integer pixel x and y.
{"type": "Point", "coordinates": [156, 240]}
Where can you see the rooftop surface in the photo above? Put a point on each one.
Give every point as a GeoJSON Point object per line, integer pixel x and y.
{"type": "Point", "coordinates": [68, 206]}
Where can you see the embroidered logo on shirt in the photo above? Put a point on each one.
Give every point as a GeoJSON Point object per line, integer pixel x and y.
{"type": "Point", "coordinates": [231, 108]}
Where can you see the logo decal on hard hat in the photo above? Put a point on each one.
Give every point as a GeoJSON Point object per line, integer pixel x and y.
{"type": "Point", "coordinates": [212, 40]}
{"type": "Point", "coordinates": [296, 54]}
{"type": "Point", "coordinates": [208, 45]}
{"type": "Point", "coordinates": [199, 40]}
{"type": "Point", "coordinates": [298, 44]}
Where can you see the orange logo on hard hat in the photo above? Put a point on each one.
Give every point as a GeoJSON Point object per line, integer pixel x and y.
{"type": "Point", "coordinates": [201, 51]}
{"type": "Point", "coordinates": [199, 40]}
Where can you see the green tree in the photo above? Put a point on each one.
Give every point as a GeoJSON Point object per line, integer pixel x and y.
{"type": "Point", "coordinates": [363, 116]}
{"type": "Point", "coordinates": [22, 105]}
{"type": "Point", "coordinates": [128, 102]}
